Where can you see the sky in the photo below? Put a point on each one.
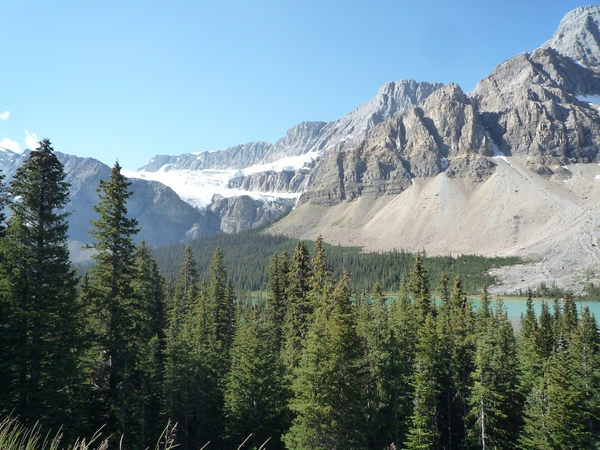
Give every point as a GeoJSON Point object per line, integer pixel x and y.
{"type": "Point", "coordinates": [127, 80]}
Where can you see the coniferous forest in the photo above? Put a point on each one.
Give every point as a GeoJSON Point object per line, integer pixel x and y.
{"type": "Point", "coordinates": [314, 364]}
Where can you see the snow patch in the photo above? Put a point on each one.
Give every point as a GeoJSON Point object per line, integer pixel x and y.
{"type": "Point", "coordinates": [496, 150]}
{"type": "Point", "coordinates": [445, 163]}
{"type": "Point", "coordinates": [594, 99]}
{"type": "Point", "coordinates": [197, 187]}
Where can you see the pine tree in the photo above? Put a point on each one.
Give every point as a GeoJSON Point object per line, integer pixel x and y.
{"type": "Point", "coordinates": [254, 397]}
{"type": "Point", "coordinates": [405, 322]}
{"type": "Point", "coordinates": [374, 329]}
{"type": "Point", "coordinates": [493, 406]}
{"type": "Point", "coordinates": [186, 289]}
{"type": "Point", "coordinates": [585, 351]}
{"type": "Point", "coordinates": [327, 384]}
{"type": "Point", "coordinates": [3, 203]}
{"type": "Point", "coordinates": [570, 319]}
{"type": "Point", "coordinates": [205, 362]}
{"type": "Point", "coordinates": [149, 287]}
{"type": "Point", "coordinates": [41, 317]}
{"type": "Point", "coordinates": [544, 338]}
{"type": "Point", "coordinates": [423, 432]}
{"type": "Point", "coordinates": [418, 287]}
{"type": "Point", "coordinates": [529, 360]}
{"type": "Point", "coordinates": [119, 313]}
{"type": "Point", "coordinates": [462, 333]}
{"type": "Point", "coordinates": [277, 300]}
{"type": "Point", "coordinates": [300, 307]}
{"type": "Point", "coordinates": [555, 411]}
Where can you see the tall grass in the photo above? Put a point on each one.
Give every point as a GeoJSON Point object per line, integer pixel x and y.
{"type": "Point", "coordinates": [15, 436]}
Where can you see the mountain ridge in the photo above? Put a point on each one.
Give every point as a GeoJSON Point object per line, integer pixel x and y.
{"type": "Point", "coordinates": [409, 165]}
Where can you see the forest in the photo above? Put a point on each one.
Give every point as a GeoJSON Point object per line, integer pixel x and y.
{"type": "Point", "coordinates": [122, 351]}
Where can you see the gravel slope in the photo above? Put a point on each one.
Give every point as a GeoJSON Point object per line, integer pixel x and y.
{"type": "Point", "coordinates": [553, 223]}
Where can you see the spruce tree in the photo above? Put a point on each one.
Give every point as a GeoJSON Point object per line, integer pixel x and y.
{"type": "Point", "coordinates": [300, 307]}
{"type": "Point", "coordinates": [494, 405]}
{"type": "Point", "coordinates": [119, 313]}
{"type": "Point", "coordinates": [555, 412]}
{"type": "Point", "coordinates": [418, 287]}
{"type": "Point", "coordinates": [423, 432]}
{"type": "Point", "coordinates": [375, 331]}
{"type": "Point", "coordinates": [585, 351]}
{"type": "Point", "coordinates": [186, 289]}
{"type": "Point", "coordinates": [41, 318]}
{"type": "Point", "coordinates": [327, 384]}
{"type": "Point", "coordinates": [149, 287]}
{"type": "Point", "coordinates": [277, 300]}
{"type": "Point", "coordinates": [254, 399]}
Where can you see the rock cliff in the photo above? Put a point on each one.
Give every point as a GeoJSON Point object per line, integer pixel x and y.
{"type": "Point", "coordinates": [444, 133]}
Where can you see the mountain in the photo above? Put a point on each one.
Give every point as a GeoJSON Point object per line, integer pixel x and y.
{"type": "Point", "coordinates": [510, 168]}
{"type": "Point", "coordinates": [163, 216]}
{"type": "Point", "coordinates": [276, 173]}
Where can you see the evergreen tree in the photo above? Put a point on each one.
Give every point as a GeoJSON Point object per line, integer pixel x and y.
{"type": "Point", "coordinates": [254, 397]}
{"type": "Point", "coordinates": [202, 367]}
{"type": "Point", "coordinates": [555, 411]}
{"type": "Point", "coordinates": [186, 289]}
{"type": "Point", "coordinates": [375, 331]}
{"type": "Point", "coordinates": [277, 300]}
{"type": "Point", "coordinates": [423, 432]}
{"type": "Point", "coordinates": [3, 203]}
{"type": "Point", "coordinates": [119, 313]}
{"type": "Point", "coordinates": [299, 309]}
{"type": "Point", "coordinates": [320, 278]}
{"type": "Point", "coordinates": [544, 338]}
{"type": "Point", "coordinates": [462, 332]}
{"type": "Point", "coordinates": [493, 406]}
{"type": "Point", "coordinates": [570, 319]}
{"type": "Point", "coordinates": [405, 322]}
{"type": "Point", "coordinates": [149, 287]}
{"type": "Point", "coordinates": [327, 384]}
{"type": "Point", "coordinates": [40, 327]}
{"type": "Point", "coordinates": [585, 351]}
{"type": "Point", "coordinates": [418, 287]}
{"type": "Point", "coordinates": [530, 362]}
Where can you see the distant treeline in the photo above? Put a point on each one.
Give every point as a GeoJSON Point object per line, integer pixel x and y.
{"type": "Point", "coordinates": [248, 254]}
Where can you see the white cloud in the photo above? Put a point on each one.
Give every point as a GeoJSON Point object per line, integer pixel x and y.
{"type": "Point", "coordinates": [4, 115]}
{"type": "Point", "coordinates": [10, 144]}
{"type": "Point", "coordinates": [31, 140]}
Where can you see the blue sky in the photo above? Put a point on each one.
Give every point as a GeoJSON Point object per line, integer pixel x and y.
{"type": "Point", "coordinates": [127, 80]}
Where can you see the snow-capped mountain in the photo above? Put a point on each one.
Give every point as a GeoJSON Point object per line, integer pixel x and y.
{"type": "Point", "coordinates": [272, 177]}
{"type": "Point", "coordinates": [509, 168]}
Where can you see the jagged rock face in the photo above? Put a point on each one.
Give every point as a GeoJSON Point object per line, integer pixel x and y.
{"type": "Point", "coordinates": [244, 213]}
{"type": "Point", "coordinates": [529, 105]}
{"type": "Point", "coordinates": [297, 141]}
{"type": "Point", "coordinates": [237, 157]}
{"type": "Point", "coordinates": [444, 130]}
{"type": "Point", "coordinates": [274, 182]}
{"type": "Point", "coordinates": [393, 99]}
{"type": "Point", "coordinates": [578, 36]}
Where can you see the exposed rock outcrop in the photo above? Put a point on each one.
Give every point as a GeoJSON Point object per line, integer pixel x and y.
{"type": "Point", "coordinates": [237, 157]}
{"type": "Point", "coordinates": [529, 105]}
{"type": "Point", "coordinates": [244, 213]}
{"type": "Point", "coordinates": [578, 36]}
{"type": "Point", "coordinates": [423, 142]}
{"type": "Point", "coordinates": [273, 182]}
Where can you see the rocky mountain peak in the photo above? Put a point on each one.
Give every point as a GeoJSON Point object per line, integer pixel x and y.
{"type": "Point", "coordinates": [578, 36]}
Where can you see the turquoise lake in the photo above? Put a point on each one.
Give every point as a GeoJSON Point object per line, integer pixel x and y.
{"type": "Point", "coordinates": [516, 307]}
